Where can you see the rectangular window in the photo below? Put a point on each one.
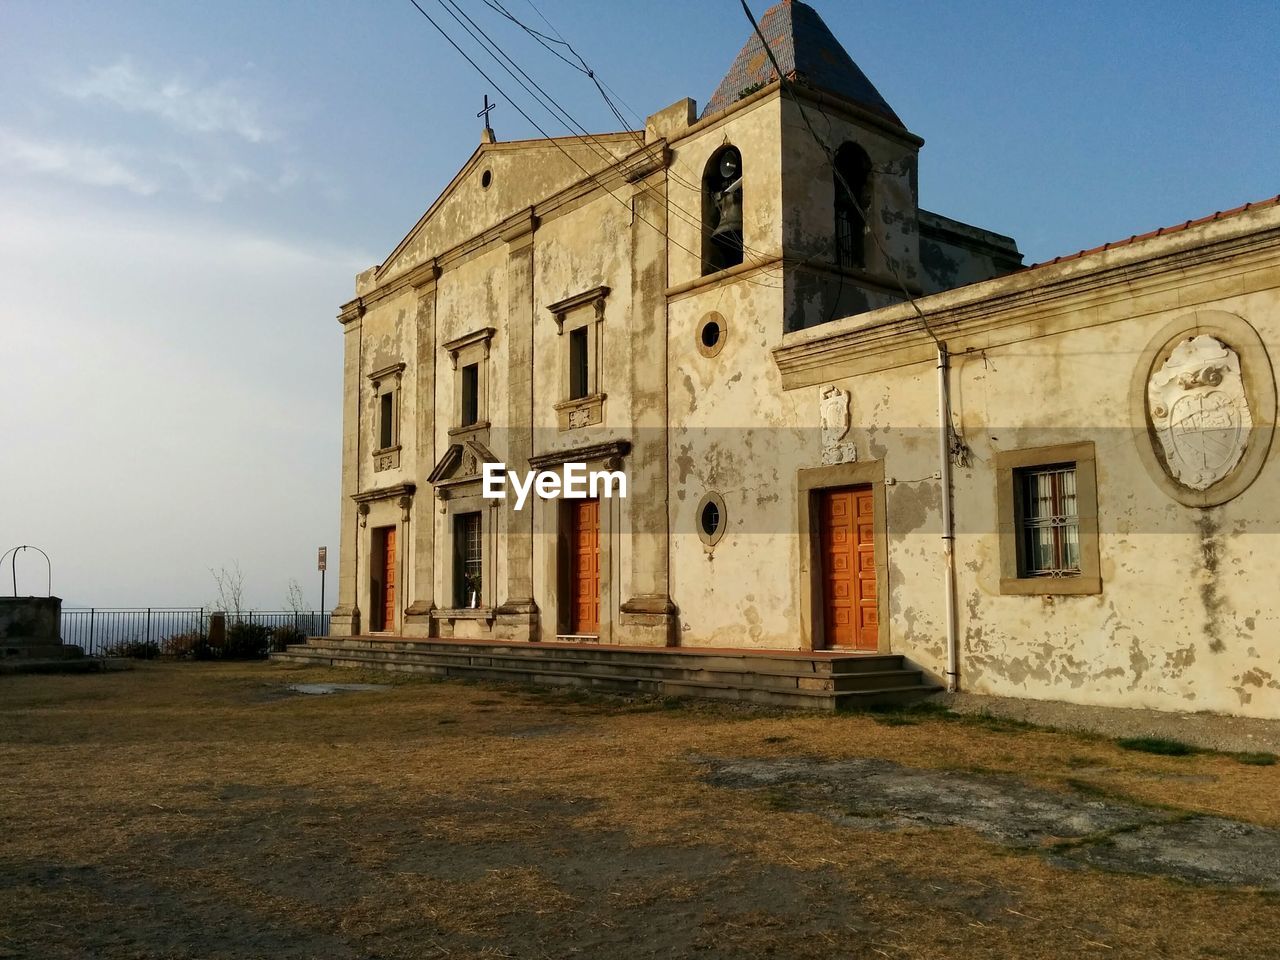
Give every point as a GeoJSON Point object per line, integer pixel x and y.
{"type": "Point", "coordinates": [470, 394]}
{"type": "Point", "coordinates": [1048, 521]}
{"type": "Point", "coordinates": [579, 369]}
{"type": "Point", "coordinates": [468, 560]}
{"type": "Point", "coordinates": [386, 421]}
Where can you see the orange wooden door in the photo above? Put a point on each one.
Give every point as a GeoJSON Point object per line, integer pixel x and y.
{"type": "Point", "coordinates": [850, 612]}
{"type": "Point", "coordinates": [584, 570]}
{"type": "Point", "coordinates": [389, 579]}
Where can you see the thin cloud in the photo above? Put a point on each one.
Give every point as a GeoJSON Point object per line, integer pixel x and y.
{"type": "Point", "coordinates": [178, 102]}
{"type": "Point", "coordinates": [77, 162]}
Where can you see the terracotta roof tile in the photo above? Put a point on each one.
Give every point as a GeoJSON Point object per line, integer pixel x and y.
{"type": "Point", "coordinates": [1163, 231]}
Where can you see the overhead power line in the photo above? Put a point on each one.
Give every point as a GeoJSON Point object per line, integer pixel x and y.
{"type": "Point", "coordinates": [693, 219]}
{"type": "Point", "coordinates": [556, 110]}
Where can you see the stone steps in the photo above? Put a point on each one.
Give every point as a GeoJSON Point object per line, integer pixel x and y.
{"type": "Point", "coordinates": [807, 681]}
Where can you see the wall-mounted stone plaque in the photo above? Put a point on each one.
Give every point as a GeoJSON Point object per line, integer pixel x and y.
{"type": "Point", "coordinates": [1200, 412]}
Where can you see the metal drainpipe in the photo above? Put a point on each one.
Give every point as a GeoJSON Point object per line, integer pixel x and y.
{"type": "Point", "coordinates": [948, 522]}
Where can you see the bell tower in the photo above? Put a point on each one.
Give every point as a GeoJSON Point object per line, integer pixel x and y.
{"type": "Point", "coordinates": [848, 170]}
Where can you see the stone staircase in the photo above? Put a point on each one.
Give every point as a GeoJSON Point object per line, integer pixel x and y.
{"type": "Point", "coordinates": [810, 681]}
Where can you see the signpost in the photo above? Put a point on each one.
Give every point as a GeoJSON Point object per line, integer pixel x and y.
{"type": "Point", "coordinates": [322, 561]}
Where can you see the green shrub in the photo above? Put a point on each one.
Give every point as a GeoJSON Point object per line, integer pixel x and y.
{"type": "Point", "coordinates": [134, 649]}
{"type": "Point", "coordinates": [281, 637]}
{"type": "Point", "coordinates": [192, 645]}
{"type": "Point", "coordinates": [247, 641]}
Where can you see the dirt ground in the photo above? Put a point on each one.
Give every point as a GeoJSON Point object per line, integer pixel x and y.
{"type": "Point", "coordinates": [206, 811]}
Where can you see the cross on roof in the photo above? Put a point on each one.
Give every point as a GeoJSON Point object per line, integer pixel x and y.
{"type": "Point", "coordinates": [488, 108]}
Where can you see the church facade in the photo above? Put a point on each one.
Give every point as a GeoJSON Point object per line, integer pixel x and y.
{"type": "Point", "coordinates": [820, 417]}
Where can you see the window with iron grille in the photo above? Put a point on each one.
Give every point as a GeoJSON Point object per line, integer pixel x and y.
{"type": "Point", "coordinates": [1048, 521]}
{"type": "Point", "coordinates": [469, 560]}
{"type": "Point", "coordinates": [852, 173]}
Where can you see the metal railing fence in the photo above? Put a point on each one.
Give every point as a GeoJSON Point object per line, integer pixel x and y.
{"type": "Point", "coordinates": [150, 631]}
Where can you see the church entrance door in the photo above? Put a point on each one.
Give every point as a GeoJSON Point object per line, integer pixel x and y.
{"type": "Point", "coordinates": [584, 568]}
{"type": "Point", "coordinates": [384, 603]}
{"type": "Point", "coordinates": [849, 600]}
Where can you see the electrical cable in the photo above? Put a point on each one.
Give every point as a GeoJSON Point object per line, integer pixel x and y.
{"type": "Point", "coordinates": [555, 141]}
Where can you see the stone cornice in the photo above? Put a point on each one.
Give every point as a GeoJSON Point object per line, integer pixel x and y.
{"type": "Point", "coordinates": [351, 312]}
{"type": "Point", "coordinates": [518, 227]}
{"type": "Point", "coordinates": [392, 370]}
{"type": "Point", "coordinates": [608, 450]}
{"type": "Point", "coordinates": [458, 344]}
{"type": "Point", "coordinates": [596, 295]}
{"type": "Point", "coordinates": [1152, 275]}
{"type": "Point", "coordinates": [385, 493]}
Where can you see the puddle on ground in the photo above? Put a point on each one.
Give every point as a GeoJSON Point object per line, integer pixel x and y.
{"type": "Point", "coordinates": [323, 689]}
{"type": "Point", "coordinates": [1072, 829]}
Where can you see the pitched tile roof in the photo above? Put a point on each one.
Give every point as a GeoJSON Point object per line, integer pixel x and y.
{"type": "Point", "coordinates": [808, 54]}
{"type": "Point", "coordinates": [1163, 231]}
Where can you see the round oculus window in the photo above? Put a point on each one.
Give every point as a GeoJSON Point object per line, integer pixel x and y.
{"type": "Point", "coordinates": [486, 179]}
{"type": "Point", "coordinates": [711, 519]}
{"type": "Point", "coordinates": [711, 334]}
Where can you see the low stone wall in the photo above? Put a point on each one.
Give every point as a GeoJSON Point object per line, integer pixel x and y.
{"type": "Point", "coordinates": [30, 626]}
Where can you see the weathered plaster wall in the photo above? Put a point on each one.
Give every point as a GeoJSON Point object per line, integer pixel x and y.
{"type": "Point", "coordinates": [953, 254]}
{"type": "Point", "coordinates": [575, 253]}
{"type": "Point", "coordinates": [521, 174]}
{"type": "Point", "coordinates": [387, 334]}
{"type": "Point", "coordinates": [1186, 619]}
{"type": "Point", "coordinates": [471, 296]}
{"type": "Point", "coordinates": [734, 432]}
{"type": "Point", "coordinates": [754, 130]}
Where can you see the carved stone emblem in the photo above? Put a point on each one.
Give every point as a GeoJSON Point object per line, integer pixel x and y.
{"type": "Point", "coordinates": [1200, 412]}
{"type": "Point", "coordinates": [835, 427]}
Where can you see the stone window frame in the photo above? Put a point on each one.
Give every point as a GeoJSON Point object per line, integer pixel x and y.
{"type": "Point", "coordinates": [1007, 463]}
{"type": "Point", "coordinates": [463, 351]}
{"type": "Point", "coordinates": [711, 499]}
{"type": "Point", "coordinates": [722, 328]}
{"type": "Point", "coordinates": [383, 382]}
{"type": "Point", "coordinates": [551, 553]}
{"type": "Point", "coordinates": [467, 498]}
{"type": "Point", "coordinates": [570, 315]}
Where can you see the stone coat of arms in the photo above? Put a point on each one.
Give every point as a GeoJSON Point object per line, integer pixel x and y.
{"type": "Point", "coordinates": [1200, 412]}
{"type": "Point", "coordinates": [834, 406]}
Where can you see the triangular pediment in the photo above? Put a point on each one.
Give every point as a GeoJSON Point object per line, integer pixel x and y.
{"type": "Point", "coordinates": [521, 174]}
{"type": "Point", "coordinates": [461, 463]}
{"type": "Point", "coordinates": [809, 55]}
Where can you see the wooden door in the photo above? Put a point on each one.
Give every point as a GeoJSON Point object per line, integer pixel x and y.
{"type": "Point", "coordinates": [387, 567]}
{"type": "Point", "coordinates": [584, 568]}
{"type": "Point", "coordinates": [851, 616]}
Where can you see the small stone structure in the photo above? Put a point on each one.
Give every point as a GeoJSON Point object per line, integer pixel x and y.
{"type": "Point", "coordinates": [30, 630]}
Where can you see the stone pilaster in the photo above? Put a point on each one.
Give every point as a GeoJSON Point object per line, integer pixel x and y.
{"type": "Point", "coordinates": [517, 615]}
{"type": "Point", "coordinates": [648, 616]}
{"type": "Point", "coordinates": [417, 620]}
{"type": "Point", "coordinates": [346, 616]}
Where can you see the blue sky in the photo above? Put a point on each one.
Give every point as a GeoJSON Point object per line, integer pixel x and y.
{"type": "Point", "coordinates": [186, 191]}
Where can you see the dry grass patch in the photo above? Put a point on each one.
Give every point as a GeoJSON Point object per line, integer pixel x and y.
{"type": "Point", "coordinates": [198, 810]}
